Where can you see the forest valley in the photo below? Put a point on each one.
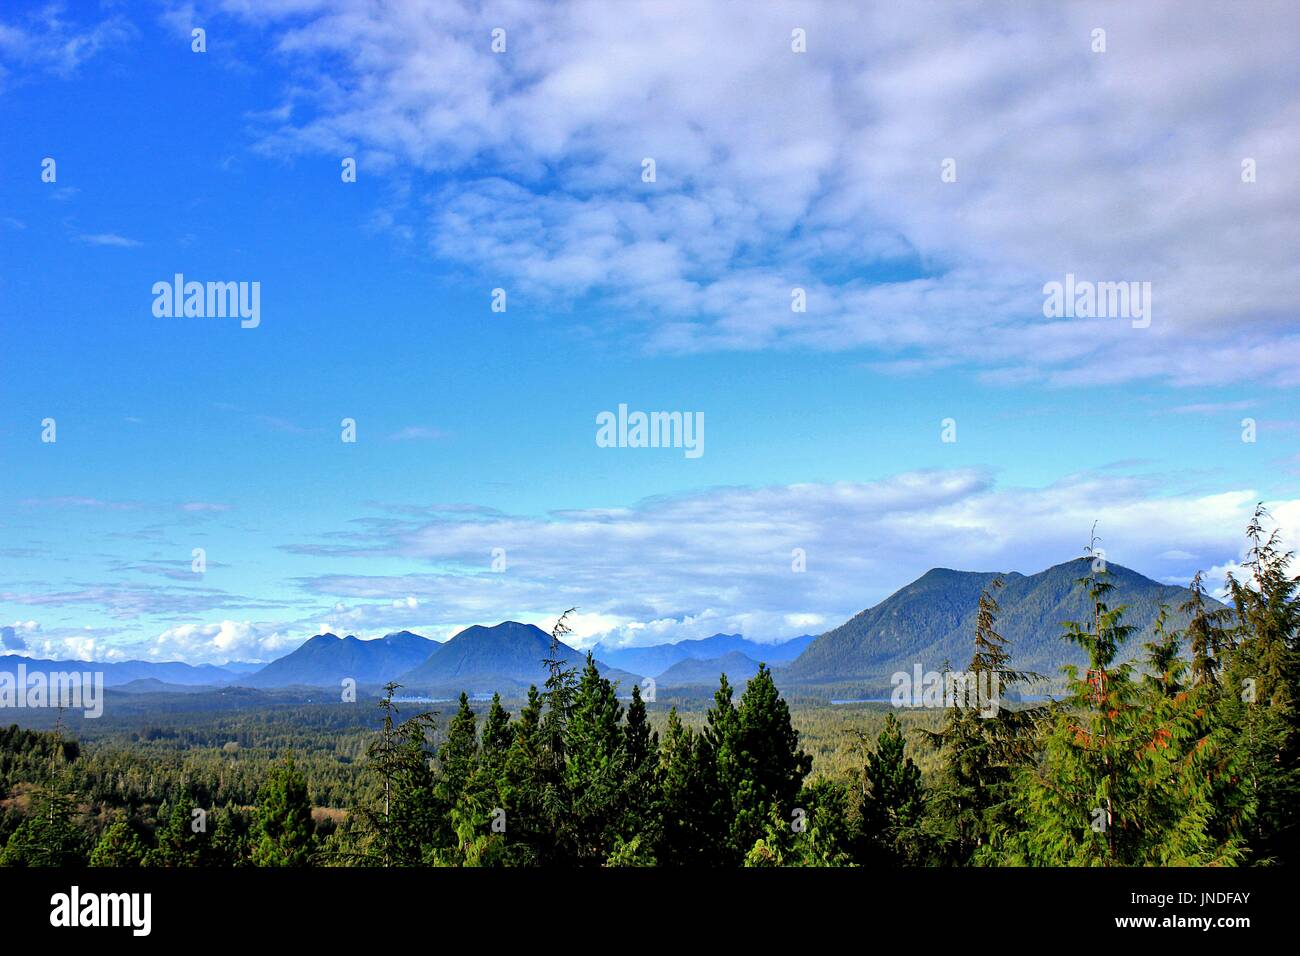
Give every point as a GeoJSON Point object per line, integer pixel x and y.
{"type": "Point", "coordinates": [1187, 757]}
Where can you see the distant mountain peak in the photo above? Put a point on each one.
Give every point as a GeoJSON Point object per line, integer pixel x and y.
{"type": "Point", "coordinates": [932, 621]}
{"type": "Point", "coordinates": [326, 660]}
{"type": "Point", "coordinates": [503, 657]}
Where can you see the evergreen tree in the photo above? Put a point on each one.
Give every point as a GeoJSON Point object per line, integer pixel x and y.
{"type": "Point", "coordinates": [458, 755]}
{"type": "Point", "coordinates": [118, 845]}
{"type": "Point", "coordinates": [176, 843]}
{"type": "Point", "coordinates": [752, 765]}
{"type": "Point", "coordinates": [596, 768]}
{"type": "Point", "coordinates": [400, 824]}
{"type": "Point", "coordinates": [1259, 698]}
{"type": "Point", "coordinates": [1124, 777]}
{"type": "Point", "coordinates": [643, 810]}
{"type": "Point", "coordinates": [497, 733]}
{"type": "Point", "coordinates": [521, 786]}
{"type": "Point", "coordinates": [894, 806]}
{"type": "Point", "coordinates": [981, 743]}
{"type": "Point", "coordinates": [1208, 632]}
{"type": "Point", "coordinates": [771, 766]}
{"type": "Point", "coordinates": [687, 781]}
{"type": "Point", "coordinates": [284, 834]}
{"type": "Point", "coordinates": [229, 843]}
{"type": "Point", "coordinates": [49, 835]}
{"type": "Point", "coordinates": [816, 834]}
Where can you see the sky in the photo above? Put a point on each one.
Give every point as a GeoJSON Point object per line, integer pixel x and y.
{"type": "Point", "coordinates": [918, 174]}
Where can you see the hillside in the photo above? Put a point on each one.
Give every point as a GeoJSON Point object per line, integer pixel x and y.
{"type": "Point", "coordinates": [705, 673]}
{"type": "Point", "coordinates": [932, 622]}
{"type": "Point", "coordinates": [326, 660]}
{"type": "Point", "coordinates": [507, 657]}
{"type": "Point", "coordinates": [654, 659]}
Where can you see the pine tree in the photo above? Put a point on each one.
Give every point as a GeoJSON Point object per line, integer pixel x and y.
{"type": "Point", "coordinates": [284, 833]}
{"type": "Point", "coordinates": [176, 843]}
{"type": "Point", "coordinates": [1208, 632]}
{"type": "Point", "coordinates": [229, 845]}
{"type": "Point", "coordinates": [643, 810]}
{"type": "Point", "coordinates": [118, 845]}
{"type": "Point", "coordinates": [521, 784]}
{"type": "Point", "coordinates": [1259, 696]}
{"type": "Point", "coordinates": [1126, 777]}
{"type": "Point", "coordinates": [716, 765]}
{"type": "Point", "coordinates": [687, 780]}
{"type": "Point", "coordinates": [815, 835]}
{"type": "Point", "coordinates": [771, 766]}
{"type": "Point", "coordinates": [49, 835]}
{"type": "Point", "coordinates": [539, 807]}
{"type": "Point", "coordinates": [894, 807]}
{"type": "Point", "coordinates": [596, 766]}
{"type": "Point", "coordinates": [403, 824]}
{"type": "Point", "coordinates": [497, 733]}
{"type": "Point", "coordinates": [751, 764]}
{"type": "Point", "coordinates": [458, 755]}
{"type": "Point", "coordinates": [981, 744]}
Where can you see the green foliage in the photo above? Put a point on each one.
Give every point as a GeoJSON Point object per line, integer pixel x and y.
{"type": "Point", "coordinates": [284, 834]}
{"type": "Point", "coordinates": [894, 805]}
{"type": "Point", "coordinates": [1125, 777]}
{"type": "Point", "coordinates": [982, 748]}
{"type": "Point", "coordinates": [49, 836]}
{"type": "Point", "coordinates": [119, 845]}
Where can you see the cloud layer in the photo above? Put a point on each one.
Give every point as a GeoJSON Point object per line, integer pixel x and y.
{"type": "Point", "coordinates": [724, 559]}
{"type": "Point", "coordinates": [821, 170]}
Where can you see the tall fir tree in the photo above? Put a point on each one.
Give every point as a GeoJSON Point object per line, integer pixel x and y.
{"type": "Point", "coordinates": [981, 745]}
{"type": "Point", "coordinates": [1123, 779]}
{"type": "Point", "coordinates": [596, 769]}
{"type": "Point", "coordinates": [1259, 695]}
{"type": "Point", "coordinates": [893, 809]}
{"type": "Point", "coordinates": [285, 834]}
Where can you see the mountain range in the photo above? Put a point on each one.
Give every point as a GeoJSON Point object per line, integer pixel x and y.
{"type": "Point", "coordinates": [655, 659]}
{"type": "Point", "coordinates": [326, 660]}
{"type": "Point", "coordinates": [930, 622]}
{"type": "Point", "coordinates": [118, 673]}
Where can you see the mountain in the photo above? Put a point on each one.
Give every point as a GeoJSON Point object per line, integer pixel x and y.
{"type": "Point", "coordinates": [654, 659]}
{"type": "Point", "coordinates": [243, 667]}
{"type": "Point", "coordinates": [693, 672]}
{"type": "Point", "coordinates": [932, 622]}
{"type": "Point", "coordinates": [117, 673]}
{"type": "Point", "coordinates": [152, 685]}
{"type": "Point", "coordinates": [508, 657]}
{"type": "Point", "coordinates": [325, 660]}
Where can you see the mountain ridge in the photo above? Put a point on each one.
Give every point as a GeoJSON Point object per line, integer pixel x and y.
{"type": "Point", "coordinates": [507, 656]}
{"type": "Point", "coordinates": [327, 659]}
{"type": "Point", "coordinates": [931, 621]}
{"type": "Point", "coordinates": [653, 660]}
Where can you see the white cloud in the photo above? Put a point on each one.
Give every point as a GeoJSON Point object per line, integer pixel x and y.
{"type": "Point", "coordinates": [821, 169]}
{"type": "Point", "coordinates": [44, 40]}
{"type": "Point", "coordinates": [721, 559]}
{"type": "Point", "coordinates": [221, 642]}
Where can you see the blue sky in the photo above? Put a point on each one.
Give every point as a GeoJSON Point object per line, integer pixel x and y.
{"type": "Point", "coordinates": [523, 170]}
